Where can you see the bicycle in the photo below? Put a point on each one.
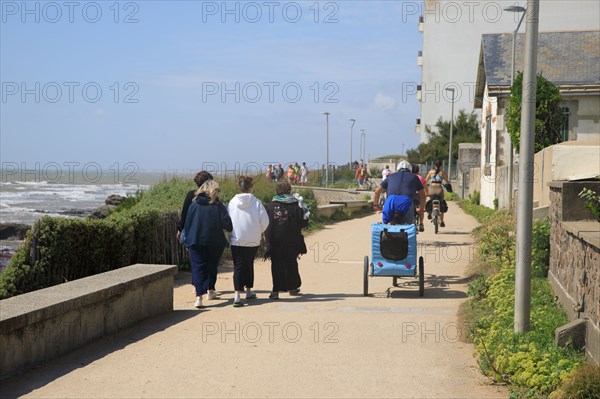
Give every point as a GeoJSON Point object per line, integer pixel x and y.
{"type": "Point", "coordinates": [435, 213]}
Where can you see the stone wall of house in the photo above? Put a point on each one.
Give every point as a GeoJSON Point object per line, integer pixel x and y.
{"type": "Point", "coordinates": [575, 258]}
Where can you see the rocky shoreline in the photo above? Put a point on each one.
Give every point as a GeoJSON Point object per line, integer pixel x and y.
{"type": "Point", "coordinates": [13, 234]}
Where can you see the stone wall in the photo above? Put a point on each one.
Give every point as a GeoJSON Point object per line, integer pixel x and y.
{"type": "Point", "coordinates": [575, 258]}
{"type": "Point", "coordinates": [40, 325]}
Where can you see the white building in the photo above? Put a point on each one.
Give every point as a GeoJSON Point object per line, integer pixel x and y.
{"type": "Point", "coordinates": [452, 39]}
{"type": "Point", "coordinates": [571, 60]}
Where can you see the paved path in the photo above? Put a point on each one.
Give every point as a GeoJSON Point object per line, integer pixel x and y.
{"type": "Point", "coordinates": [331, 342]}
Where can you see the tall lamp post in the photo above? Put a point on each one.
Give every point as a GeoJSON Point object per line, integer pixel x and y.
{"type": "Point", "coordinates": [526, 173]}
{"type": "Point", "coordinates": [512, 80]}
{"type": "Point", "coordinates": [363, 144]}
{"type": "Point", "coordinates": [351, 126]}
{"type": "Point", "coordinates": [451, 90]}
{"type": "Point", "coordinates": [327, 149]}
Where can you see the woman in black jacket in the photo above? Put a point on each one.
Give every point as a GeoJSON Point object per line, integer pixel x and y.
{"type": "Point", "coordinates": [203, 234]}
{"type": "Point", "coordinates": [287, 217]}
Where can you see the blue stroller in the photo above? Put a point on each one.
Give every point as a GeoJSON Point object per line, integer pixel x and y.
{"type": "Point", "coordinates": [394, 254]}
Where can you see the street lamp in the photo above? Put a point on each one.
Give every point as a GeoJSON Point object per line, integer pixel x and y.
{"type": "Point", "coordinates": [514, 43]}
{"type": "Point", "coordinates": [327, 149]}
{"type": "Point", "coordinates": [451, 90]}
{"type": "Point", "coordinates": [363, 144]}
{"type": "Point", "coordinates": [351, 126]}
{"type": "Point", "coordinates": [509, 182]}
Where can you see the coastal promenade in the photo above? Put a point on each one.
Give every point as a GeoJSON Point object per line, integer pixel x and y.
{"type": "Point", "coordinates": [330, 342]}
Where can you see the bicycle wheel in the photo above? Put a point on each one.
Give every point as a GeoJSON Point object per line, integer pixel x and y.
{"type": "Point", "coordinates": [435, 224]}
{"type": "Point", "coordinates": [421, 276]}
{"type": "Point", "coordinates": [366, 277]}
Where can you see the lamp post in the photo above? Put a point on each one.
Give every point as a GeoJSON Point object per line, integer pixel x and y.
{"type": "Point", "coordinates": [451, 90]}
{"type": "Point", "coordinates": [363, 143]}
{"type": "Point", "coordinates": [526, 174]}
{"type": "Point", "coordinates": [351, 126]}
{"type": "Point", "coordinates": [326, 149]}
{"type": "Point", "coordinates": [510, 161]}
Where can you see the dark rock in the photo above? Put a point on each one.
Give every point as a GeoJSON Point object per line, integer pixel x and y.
{"type": "Point", "coordinates": [115, 200]}
{"type": "Point", "coordinates": [102, 212]}
{"type": "Point", "coordinates": [13, 231]}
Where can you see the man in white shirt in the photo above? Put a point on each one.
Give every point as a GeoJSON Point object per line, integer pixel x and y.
{"type": "Point", "coordinates": [303, 174]}
{"type": "Point", "coordinates": [386, 172]}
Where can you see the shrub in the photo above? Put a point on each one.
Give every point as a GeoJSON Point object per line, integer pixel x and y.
{"type": "Point", "coordinates": [451, 196]}
{"type": "Point", "coordinates": [530, 362]}
{"type": "Point", "coordinates": [592, 201]}
{"type": "Point", "coordinates": [540, 250]}
{"type": "Point", "coordinates": [583, 384]}
{"type": "Point", "coordinates": [476, 198]}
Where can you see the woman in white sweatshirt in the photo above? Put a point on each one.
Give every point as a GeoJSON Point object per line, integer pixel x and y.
{"type": "Point", "coordinates": [250, 220]}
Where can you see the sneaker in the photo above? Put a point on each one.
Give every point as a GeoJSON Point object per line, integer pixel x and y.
{"type": "Point", "coordinates": [212, 295]}
{"type": "Point", "coordinates": [429, 216]}
{"type": "Point", "coordinates": [421, 227]}
{"type": "Point", "coordinates": [295, 292]}
{"type": "Point", "coordinates": [198, 303]}
{"type": "Point", "coordinates": [274, 295]}
{"type": "Point", "coordinates": [250, 295]}
{"type": "Point", "coordinates": [238, 304]}
{"type": "Point", "coordinates": [442, 224]}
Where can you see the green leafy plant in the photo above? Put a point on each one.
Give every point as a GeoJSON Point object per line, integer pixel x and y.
{"type": "Point", "coordinates": [592, 201]}
{"type": "Point", "coordinates": [584, 383]}
{"type": "Point", "coordinates": [548, 115]}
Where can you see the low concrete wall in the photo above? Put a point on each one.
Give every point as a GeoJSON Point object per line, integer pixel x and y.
{"type": "Point", "coordinates": [574, 258]}
{"type": "Point", "coordinates": [327, 211]}
{"type": "Point", "coordinates": [43, 324]}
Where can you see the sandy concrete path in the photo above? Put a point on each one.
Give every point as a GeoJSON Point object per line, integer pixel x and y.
{"type": "Point", "coordinates": [331, 342]}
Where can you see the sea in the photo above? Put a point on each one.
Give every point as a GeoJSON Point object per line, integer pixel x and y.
{"type": "Point", "coordinates": [26, 200]}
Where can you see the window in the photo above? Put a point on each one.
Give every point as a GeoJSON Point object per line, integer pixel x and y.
{"type": "Point", "coordinates": [488, 138]}
{"type": "Point", "coordinates": [564, 130]}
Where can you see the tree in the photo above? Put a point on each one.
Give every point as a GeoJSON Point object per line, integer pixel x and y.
{"type": "Point", "coordinates": [549, 117]}
{"type": "Point", "coordinates": [466, 130]}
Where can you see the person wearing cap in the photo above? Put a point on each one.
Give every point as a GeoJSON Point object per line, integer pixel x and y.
{"type": "Point", "coordinates": [400, 187]}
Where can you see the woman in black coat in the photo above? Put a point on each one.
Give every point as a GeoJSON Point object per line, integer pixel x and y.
{"type": "Point", "coordinates": [287, 217]}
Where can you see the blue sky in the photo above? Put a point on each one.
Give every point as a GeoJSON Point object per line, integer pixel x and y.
{"type": "Point", "coordinates": [161, 78]}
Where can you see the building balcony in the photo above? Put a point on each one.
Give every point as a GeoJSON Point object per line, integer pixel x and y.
{"type": "Point", "coordinates": [420, 58]}
{"type": "Point", "coordinates": [418, 126]}
{"type": "Point", "coordinates": [419, 93]}
{"type": "Point", "coordinates": [421, 22]}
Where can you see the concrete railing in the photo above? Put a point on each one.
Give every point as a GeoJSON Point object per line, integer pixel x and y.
{"type": "Point", "coordinates": [352, 205]}
{"type": "Point", "coordinates": [43, 324]}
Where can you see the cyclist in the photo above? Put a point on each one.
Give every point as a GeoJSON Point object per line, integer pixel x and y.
{"type": "Point", "coordinates": [415, 170]}
{"type": "Point", "coordinates": [435, 178]}
{"type": "Point", "coordinates": [401, 188]}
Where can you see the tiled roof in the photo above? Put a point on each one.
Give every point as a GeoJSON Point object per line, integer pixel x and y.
{"type": "Point", "coordinates": [564, 58]}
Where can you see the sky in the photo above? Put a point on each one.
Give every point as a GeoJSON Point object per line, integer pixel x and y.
{"type": "Point", "coordinates": [173, 85]}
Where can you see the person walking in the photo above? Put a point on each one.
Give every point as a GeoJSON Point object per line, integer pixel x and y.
{"type": "Point", "coordinates": [435, 177]}
{"type": "Point", "coordinates": [296, 173]}
{"type": "Point", "coordinates": [361, 175]}
{"type": "Point", "coordinates": [291, 175]}
{"type": "Point", "coordinates": [287, 217]}
{"type": "Point", "coordinates": [203, 235]}
{"type": "Point", "coordinates": [385, 172]}
{"type": "Point", "coordinates": [250, 220]}
{"type": "Point", "coordinates": [269, 172]}
{"type": "Point", "coordinates": [200, 178]}
{"type": "Point", "coordinates": [279, 173]}
{"type": "Point", "coordinates": [303, 174]}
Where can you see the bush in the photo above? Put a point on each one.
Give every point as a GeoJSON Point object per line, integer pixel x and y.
{"type": "Point", "coordinates": [479, 212]}
{"type": "Point", "coordinates": [451, 196]}
{"type": "Point", "coordinates": [583, 384]}
{"type": "Point", "coordinates": [530, 363]}
{"type": "Point", "coordinates": [476, 198]}
{"type": "Point", "coordinates": [540, 250]}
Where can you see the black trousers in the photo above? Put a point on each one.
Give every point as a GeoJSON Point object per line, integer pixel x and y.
{"type": "Point", "coordinates": [284, 268]}
{"type": "Point", "coordinates": [243, 266]}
